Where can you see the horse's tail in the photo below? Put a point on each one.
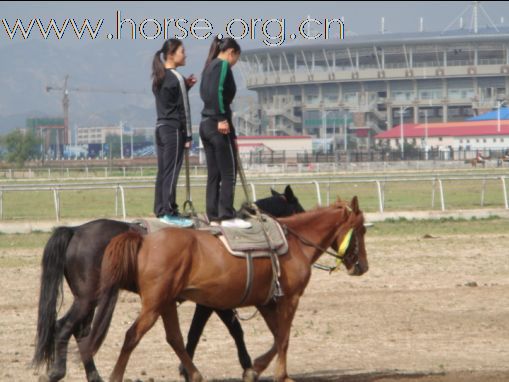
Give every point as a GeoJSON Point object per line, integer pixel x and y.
{"type": "Point", "coordinates": [53, 264]}
{"type": "Point", "coordinates": [118, 270]}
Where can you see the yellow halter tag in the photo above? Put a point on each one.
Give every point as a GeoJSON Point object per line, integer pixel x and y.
{"type": "Point", "coordinates": [345, 243]}
{"type": "Point", "coordinates": [343, 247]}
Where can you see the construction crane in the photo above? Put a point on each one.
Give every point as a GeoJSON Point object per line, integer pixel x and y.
{"type": "Point", "coordinates": [64, 136]}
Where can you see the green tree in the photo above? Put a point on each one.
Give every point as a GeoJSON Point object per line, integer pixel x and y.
{"type": "Point", "coordinates": [21, 146]}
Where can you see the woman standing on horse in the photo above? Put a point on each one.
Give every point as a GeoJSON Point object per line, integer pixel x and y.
{"type": "Point", "coordinates": [217, 90]}
{"type": "Point", "coordinates": [173, 128]}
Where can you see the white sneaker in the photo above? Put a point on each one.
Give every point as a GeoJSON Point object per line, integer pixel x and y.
{"type": "Point", "coordinates": [235, 223]}
{"type": "Point", "coordinates": [214, 224]}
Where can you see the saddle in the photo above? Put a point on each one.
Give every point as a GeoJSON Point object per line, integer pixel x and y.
{"type": "Point", "coordinates": [265, 238]}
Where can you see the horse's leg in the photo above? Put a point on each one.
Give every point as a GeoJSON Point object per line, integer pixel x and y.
{"type": "Point", "coordinates": [56, 371]}
{"type": "Point", "coordinates": [64, 329]}
{"type": "Point", "coordinates": [268, 313]}
{"type": "Point", "coordinates": [147, 318]}
{"type": "Point", "coordinates": [88, 362]}
{"type": "Point", "coordinates": [232, 323]}
{"type": "Point", "coordinates": [200, 318]}
{"type": "Point", "coordinates": [285, 313]}
{"type": "Point", "coordinates": [175, 340]}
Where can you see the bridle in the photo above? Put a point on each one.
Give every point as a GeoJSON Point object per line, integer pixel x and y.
{"type": "Point", "coordinates": [340, 258]}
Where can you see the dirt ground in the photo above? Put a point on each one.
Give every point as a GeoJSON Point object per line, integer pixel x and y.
{"type": "Point", "coordinates": [428, 310]}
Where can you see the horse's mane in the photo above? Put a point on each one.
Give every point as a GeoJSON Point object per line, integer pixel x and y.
{"type": "Point", "coordinates": [295, 219]}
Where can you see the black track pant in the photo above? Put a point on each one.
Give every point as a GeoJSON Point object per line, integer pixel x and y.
{"type": "Point", "coordinates": [221, 170]}
{"type": "Point", "coordinates": [170, 142]}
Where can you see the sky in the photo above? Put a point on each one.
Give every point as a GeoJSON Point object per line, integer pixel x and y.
{"type": "Point", "coordinates": [29, 65]}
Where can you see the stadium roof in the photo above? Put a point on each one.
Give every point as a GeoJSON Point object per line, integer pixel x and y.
{"type": "Point", "coordinates": [485, 34]}
{"type": "Point", "coordinates": [273, 137]}
{"type": "Point", "coordinates": [492, 115]}
{"type": "Point", "coordinates": [449, 129]}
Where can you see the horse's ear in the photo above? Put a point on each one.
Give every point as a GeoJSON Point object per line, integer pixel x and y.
{"type": "Point", "coordinates": [289, 193]}
{"type": "Point", "coordinates": [355, 205]}
{"type": "Point", "coordinates": [274, 192]}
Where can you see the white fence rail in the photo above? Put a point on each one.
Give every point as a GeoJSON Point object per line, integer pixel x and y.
{"type": "Point", "coordinates": [319, 186]}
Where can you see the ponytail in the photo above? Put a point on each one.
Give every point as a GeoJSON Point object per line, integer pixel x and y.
{"type": "Point", "coordinates": [169, 47]}
{"type": "Point", "coordinates": [213, 51]}
{"type": "Point", "coordinates": [220, 45]}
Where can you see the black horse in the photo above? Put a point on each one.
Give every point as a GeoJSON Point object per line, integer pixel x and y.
{"type": "Point", "coordinates": [76, 253]}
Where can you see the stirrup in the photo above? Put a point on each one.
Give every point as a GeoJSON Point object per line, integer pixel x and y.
{"type": "Point", "coordinates": [278, 292]}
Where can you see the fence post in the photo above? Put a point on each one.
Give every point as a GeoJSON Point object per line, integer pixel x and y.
{"type": "Point", "coordinates": [86, 171]}
{"type": "Point", "coordinates": [318, 195]}
{"type": "Point", "coordinates": [122, 196]}
{"type": "Point", "coordinates": [1, 205]}
{"type": "Point", "coordinates": [57, 204]}
{"type": "Point", "coordinates": [253, 191]}
{"type": "Point", "coordinates": [380, 197]}
{"type": "Point", "coordinates": [116, 200]}
{"type": "Point", "coordinates": [106, 172]}
{"type": "Point", "coordinates": [441, 188]}
{"type": "Point", "coordinates": [506, 204]}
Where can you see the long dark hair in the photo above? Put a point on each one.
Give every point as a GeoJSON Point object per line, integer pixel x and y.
{"type": "Point", "coordinates": [169, 47]}
{"type": "Point", "coordinates": [220, 45]}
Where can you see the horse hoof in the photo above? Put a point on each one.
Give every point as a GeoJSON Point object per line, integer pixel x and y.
{"type": "Point", "coordinates": [95, 377]}
{"type": "Point", "coordinates": [250, 375]}
{"type": "Point", "coordinates": [198, 378]}
{"type": "Point", "coordinates": [183, 373]}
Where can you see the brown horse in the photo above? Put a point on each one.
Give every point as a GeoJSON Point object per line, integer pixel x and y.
{"type": "Point", "coordinates": [197, 267]}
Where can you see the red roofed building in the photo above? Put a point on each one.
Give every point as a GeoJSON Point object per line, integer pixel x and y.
{"type": "Point", "coordinates": [464, 135]}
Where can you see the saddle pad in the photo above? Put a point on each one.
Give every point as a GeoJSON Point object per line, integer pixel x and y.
{"type": "Point", "coordinates": [238, 241]}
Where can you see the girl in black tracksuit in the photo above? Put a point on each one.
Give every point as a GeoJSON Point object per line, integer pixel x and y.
{"type": "Point", "coordinates": [217, 90]}
{"type": "Point", "coordinates": [173, 128]}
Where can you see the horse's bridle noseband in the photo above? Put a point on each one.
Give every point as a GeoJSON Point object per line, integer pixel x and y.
{"type": "Point", "coordinates": [337, 256]}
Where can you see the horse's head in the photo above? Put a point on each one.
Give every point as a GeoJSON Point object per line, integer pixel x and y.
{"type": "Point", "coordinates": [349, 243]}
{"type": "Point", "coordinates": [290, 206]}
{"type": "Point", "coordinates": [292, 200]}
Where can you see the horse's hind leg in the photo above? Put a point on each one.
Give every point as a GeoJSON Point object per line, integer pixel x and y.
{"type": "Point", "coordinates": [64, 329]}
{"type": "Point", "coordinates": [232, 323]}
{"type": "Point", "coordinates": [200, 318]}
{"type": "Point", "coordinates": [88, 362]}
{"type": "Point", "coordinates": [146, 319]}
{"type": "Point", "coordinates": [175, 340]}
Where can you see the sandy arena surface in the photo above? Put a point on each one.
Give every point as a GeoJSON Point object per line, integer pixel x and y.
{"type": "Point", "coordinates": [428, 310]}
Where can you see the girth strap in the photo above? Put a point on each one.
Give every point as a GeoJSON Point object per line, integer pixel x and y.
{"type": "Point", "coordinates": [249, 278]}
